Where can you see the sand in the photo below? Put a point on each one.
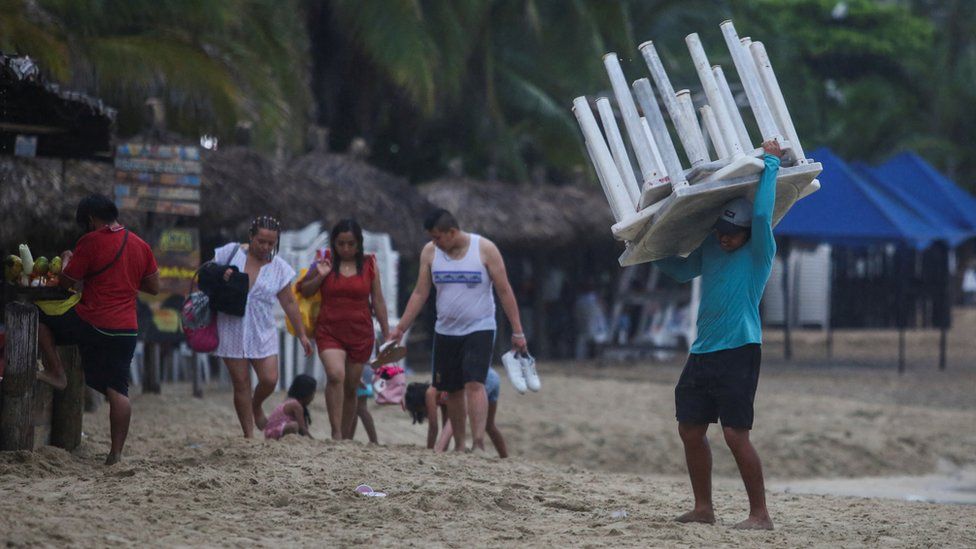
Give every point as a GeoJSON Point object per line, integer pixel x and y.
{"type": "Point", "coordinates": [596, 462]}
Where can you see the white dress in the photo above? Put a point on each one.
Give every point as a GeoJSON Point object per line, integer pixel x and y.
{"type": "Point", "coordinates": [255, 334]}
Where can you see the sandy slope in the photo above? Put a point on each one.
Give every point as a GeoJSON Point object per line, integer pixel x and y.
{"type": "Point", "coordinates": [594, 443]}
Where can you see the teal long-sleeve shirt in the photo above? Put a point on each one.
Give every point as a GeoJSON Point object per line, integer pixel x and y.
{"type": "Point", "coordinates": [732, 283]}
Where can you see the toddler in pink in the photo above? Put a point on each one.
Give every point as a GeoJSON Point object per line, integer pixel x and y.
{"type": "Point", "coordinates": [291, 416]}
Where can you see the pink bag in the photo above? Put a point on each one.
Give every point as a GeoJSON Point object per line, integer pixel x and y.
{"type": "Point", "coordinates": [198, 321]}
{"type": "Point", "coordinates": [390, 384]}
{"type": "Point", "coordinates": [205, 339]}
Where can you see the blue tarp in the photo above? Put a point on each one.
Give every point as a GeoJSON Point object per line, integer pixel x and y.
{"type": "Point", "coordinates": [913, 177]}
{"type": "Point", "coordinates": [847, 210]}
{"type": "Point", "coordinates": [951, 234]}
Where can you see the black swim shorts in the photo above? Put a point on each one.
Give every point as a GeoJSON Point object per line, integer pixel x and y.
{"type": "Point", "coordinates": [719, 386]}
{"type": "Point", "coordinates": [462, 359]}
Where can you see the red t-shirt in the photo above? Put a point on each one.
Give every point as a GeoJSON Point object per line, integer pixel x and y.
{"type": "Point", "coordinates": [108, 300]}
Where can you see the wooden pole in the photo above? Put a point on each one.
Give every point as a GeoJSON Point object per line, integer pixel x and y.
{"type": "Point", "coordinates": [69, 404]}
{"type": "Point", "coordinates": [901, 349]}
{"type": "Point", "coordinates": [195, 368]}
{"type": "Point", "coordinates": [787, 342]}
{"type": "Point", "coordinates": [942, 349]}
{"type": "Point", "coordinates": [150, 376]}
{"type": "Point", "coordinates": [17, 413]}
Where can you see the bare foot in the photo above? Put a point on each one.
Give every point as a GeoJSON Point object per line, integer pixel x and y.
{"type": "Point", "coordinates": [59, 382]}
{"type": "Point", "coordinates": [112, 459]}
{"type": "Point", "coordinates": [704, 516]}
{"type": "Point", "coordinates": [755, 523]}
{"type": "Point", "coordinates": [259, 418]}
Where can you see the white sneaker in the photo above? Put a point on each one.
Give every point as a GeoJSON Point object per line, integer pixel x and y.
{"type": "Point", "coordinates": [515, 371]}
{"type": "Point", "coordinates": [529, 373]}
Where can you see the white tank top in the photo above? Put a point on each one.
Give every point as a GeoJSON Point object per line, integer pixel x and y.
{"type": "Point", "coordinates": [465, 303]}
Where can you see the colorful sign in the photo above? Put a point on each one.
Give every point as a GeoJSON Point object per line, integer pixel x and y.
{"type": "Point", "coordinates": [158, 178]}
{"type": "Point", "coordinates": [160, 206]}
{"type": "Point", "coordinates": [160, 193]}
{"type": "Point", "coordinates": [177, 252]}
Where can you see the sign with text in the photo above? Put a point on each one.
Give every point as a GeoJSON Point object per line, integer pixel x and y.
{"type": "Point", "coordinates": [158, 178]}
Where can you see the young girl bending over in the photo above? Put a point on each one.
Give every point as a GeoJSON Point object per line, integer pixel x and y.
{"type": "Point", "coordinates": [291, 416]}
{"type": "Point", "coordinates": [422, 402]}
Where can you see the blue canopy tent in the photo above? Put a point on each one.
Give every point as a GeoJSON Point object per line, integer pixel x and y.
{"type": "Point", "coordinates": [849, 211]}
{"type": "Point", "coordinates": [917, 178]}
{"type": "Point", "coordinates": [852, 211]}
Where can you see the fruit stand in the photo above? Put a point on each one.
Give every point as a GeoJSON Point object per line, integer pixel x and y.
{"type": "Point", "coordinates": [33, 413]}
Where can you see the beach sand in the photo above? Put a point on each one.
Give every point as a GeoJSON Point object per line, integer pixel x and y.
{"type": "Point", "coordinates": [596, 463]}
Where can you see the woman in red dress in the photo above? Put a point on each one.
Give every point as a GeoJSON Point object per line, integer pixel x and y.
{"type": "Point", "coordinates": [351, 294]}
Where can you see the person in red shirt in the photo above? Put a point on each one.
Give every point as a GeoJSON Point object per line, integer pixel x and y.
{"type": "Point", "coordinates": [113, 265]}
{"type": "Point", "coordinates": [344, 334]}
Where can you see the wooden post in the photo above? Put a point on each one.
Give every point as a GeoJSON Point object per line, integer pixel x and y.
{"type": "Point", "coordinates": [901, 350]}
{"type": "Point", "coordinates": [539, 328]}
{"type": "Point", "coordinates": [942, 349]}
{"type": "Point", "coordinates": [150, 376]}
{"type": "Point", "coordinates": [787, 342]}
{"type": "Point", "coordinates": [195, 368]}
{"type": "Point", "coordinates": [69, 404]}
{"type": "Point", "coordinates": [16, 416]}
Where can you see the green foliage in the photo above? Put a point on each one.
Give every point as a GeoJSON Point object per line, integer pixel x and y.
{"type": "Point", "coordinates": [492, 81]}
{"type": "Point", "coordinates": [213, 63]}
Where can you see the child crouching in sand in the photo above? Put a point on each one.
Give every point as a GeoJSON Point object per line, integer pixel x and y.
{"type": "Point", "coordinates": [423, 400]}
{"type": "Point", "coordinates": [291, 416]}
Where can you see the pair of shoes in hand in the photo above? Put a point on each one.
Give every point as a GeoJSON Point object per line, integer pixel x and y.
{"type": "Point", "coordinates": [521, 371]}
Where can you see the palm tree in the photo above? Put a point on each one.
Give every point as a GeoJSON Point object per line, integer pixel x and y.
{"type": "Point", "coordinates": [212, 63]}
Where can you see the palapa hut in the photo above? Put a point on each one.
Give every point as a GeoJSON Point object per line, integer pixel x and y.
{"type": "Point", "coordinates": [44, 130]}
{"type": "Point", "coordinates": [327, 187]}
{"type": "Point", "coordinates": [239, 184]}
{"type": "Point", "coordinates": [39, 197]}
{"type": "Point", "coordinates": [554, 239]}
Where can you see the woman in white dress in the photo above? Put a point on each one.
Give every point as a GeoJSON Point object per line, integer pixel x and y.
{"type": "Point", "coordinates": [252, 340]}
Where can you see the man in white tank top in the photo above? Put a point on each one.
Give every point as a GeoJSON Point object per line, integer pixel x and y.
{"type": "Point", "coordinates": [464, 267]}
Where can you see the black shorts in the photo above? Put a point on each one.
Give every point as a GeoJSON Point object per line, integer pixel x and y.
{"type": "Point", "coordinates": [106, 355]}
{"type": "Point", "coordinates": [719, 386]}
{"type": "Point", "coordinates": [462, 359]}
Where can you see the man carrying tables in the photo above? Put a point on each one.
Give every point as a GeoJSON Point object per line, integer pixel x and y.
{"type": "Point", "coordinates": [720, 378]}
{"type": "Point", "coordinates": [464, 267]}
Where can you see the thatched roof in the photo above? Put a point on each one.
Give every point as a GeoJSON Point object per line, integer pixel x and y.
{"type": "Point", "coordinates": [39, 197]}
{"type": "Point", "coordinates": [328, 187]}
{"type": "Point", "coordinates": [66, 124]}
{"type": "Point", "coordinates": [239, 184]}
{"type": "Point", "coordinates": [524, 216]}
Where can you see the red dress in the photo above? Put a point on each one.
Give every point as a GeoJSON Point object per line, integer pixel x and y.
{"type": "Point", "coordinates": [345, 318]}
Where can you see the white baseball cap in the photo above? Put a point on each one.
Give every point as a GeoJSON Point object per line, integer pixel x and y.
{"type": "Point", "coordinates": [736, 216]}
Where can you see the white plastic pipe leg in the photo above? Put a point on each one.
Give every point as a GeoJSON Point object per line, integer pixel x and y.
{"type": "Point", "coordinates": [714, 133]}
{"type": "Point", "coordinates": [775, 95]}
{"type": "Point", "coordinates": [613, 186]}
{"type": "Point", "coordinates": [625, 102]}
{"type": "Point", "coordinates": [617, 148]}
{"type": "Point", "coordinates": [715, 100]}
{"type": "Point", "coordinates": [689, 133]}
{"type": "Point", "coordinates": [657, 153]}
{"type": "Point", "coordinates": [698, 154]}
{"type": "Point", "coordinates": [749, 76]}
{"type": "Point", "coordinates": [732, 108]}
{"type": "Point", "coordinates": [662, 137]}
